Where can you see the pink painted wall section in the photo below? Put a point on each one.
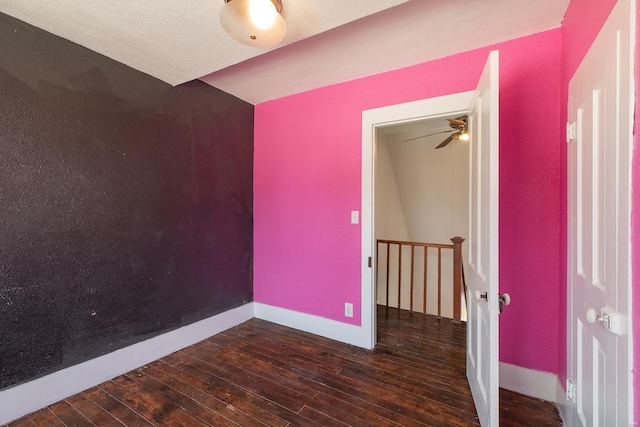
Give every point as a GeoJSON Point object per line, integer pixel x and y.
{"type": "Point", "coordinates": [530, 140]}
{"type": "Point", "coordinates": [307, 251]}
{"type": "Point", "coordinates": [308, 179]}
{"type": "Point", "coordinates": [581, 25]}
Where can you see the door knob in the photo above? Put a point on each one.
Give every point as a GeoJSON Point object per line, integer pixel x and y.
{"type": "Point", "coordinates": [608, 317]}
{"type": "Point", "coordinates": [504, 299]}
{"type": "Point", "coordinates": [591, 315]}
{"type": "Point", "coordinates": [480, 296]}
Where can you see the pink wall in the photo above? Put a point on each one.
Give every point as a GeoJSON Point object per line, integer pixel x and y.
{"type": "Point", "coordinates": [307, 180]}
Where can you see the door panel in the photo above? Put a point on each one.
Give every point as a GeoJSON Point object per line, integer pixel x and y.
{"type": "Point", "coordinates": [599, 222]}
{"type": "Point", "coordinates": [482, 267]}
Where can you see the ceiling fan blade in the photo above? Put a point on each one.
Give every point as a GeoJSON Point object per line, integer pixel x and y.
{"type": "Point", "coordinates": [431, 134]}
{"type": "Point", "coordinates": [445, 142]}
{"type": "Point", "coordinates": [456, 123]}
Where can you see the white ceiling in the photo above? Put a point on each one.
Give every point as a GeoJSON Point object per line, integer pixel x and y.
{"type": "Point", "coordinates": [327, 41]}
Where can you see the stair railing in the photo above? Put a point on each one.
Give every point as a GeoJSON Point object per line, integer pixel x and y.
{"type": "Point", "coordinates": [457, 282]}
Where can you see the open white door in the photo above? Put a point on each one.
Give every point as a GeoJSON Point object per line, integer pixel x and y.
{"type": "Point", "coordinates": [599, 245]}
{"type": "Point", "coordinates": [481, 269]}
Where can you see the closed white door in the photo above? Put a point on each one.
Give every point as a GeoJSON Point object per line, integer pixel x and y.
{"type": "Point", "coordinates": [599, 153]}
{"type": "Point", "coordinates": [482, 264]}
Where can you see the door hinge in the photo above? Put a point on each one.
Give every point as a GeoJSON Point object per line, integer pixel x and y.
{"type": "Point", "coordinates": [571, 391]}
{"type": "Point", "coordinates": [571, 131]}
{"type": "Point", "coordinates": [369, 262]}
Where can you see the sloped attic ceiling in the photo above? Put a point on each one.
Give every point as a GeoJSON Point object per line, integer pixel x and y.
{"type": "Point", "coordinates": [327, 42]}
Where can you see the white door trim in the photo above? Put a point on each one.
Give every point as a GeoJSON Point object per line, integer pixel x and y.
{"type": "Point", "coordinates": [371, 120]}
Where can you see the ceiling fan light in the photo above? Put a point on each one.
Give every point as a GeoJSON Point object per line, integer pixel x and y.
{"type": "Point", "coordinates": [464, 136]}
{"type": "Point", "coordinates": [254, 22]}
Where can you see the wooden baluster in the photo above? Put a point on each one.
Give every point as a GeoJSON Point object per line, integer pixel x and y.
{"type": "Point", "coordinates": [399, 275]}
{"type": "Point", "coordinates": [457, 276]}
{"type": "Point", "coordinates": [424, 295]}
{"type": "Point", "coordinates": [377, 272]}
{"type": "Point", "coordinates": [411, 282]}
{"type": "Point", "coordinates": [439, 281]}
{"type": "Point", "coordinates": [388, 250]}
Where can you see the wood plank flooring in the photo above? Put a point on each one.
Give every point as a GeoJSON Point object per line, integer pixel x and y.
{"type": "Point", "coordinates": [262, 374]}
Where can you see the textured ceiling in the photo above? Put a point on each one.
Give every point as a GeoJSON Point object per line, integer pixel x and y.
{"type": "Point", "coordinates": [175, 40]}
{"type": "Point", "coordinates": [327, 41]}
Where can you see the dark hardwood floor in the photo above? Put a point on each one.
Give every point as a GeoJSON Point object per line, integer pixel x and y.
{"type": "Point", "coordinates": [261, 374]}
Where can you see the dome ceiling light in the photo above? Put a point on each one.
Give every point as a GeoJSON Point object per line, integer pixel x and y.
{"type": "Point", "coordinates": [256, 23]}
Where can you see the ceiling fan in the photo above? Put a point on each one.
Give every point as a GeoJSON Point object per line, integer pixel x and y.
{"type": "Point", "coordinates": [459, 129]}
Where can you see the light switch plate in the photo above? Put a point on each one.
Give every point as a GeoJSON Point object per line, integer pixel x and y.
{"type": "Point", "coordinates": [355, 217]}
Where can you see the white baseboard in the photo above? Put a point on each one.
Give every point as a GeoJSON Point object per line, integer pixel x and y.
{"type": "Point", "coordinates": [39, 393]}
{"type": "Point", "coordinates": [539, 384]}
{"type": "Point", "coordinates": [324, 327]}
{"type": "Point", "coordinates": [23, 399]}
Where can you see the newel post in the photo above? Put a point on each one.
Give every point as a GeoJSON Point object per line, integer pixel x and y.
{"type": "Point", "coordinates": [457, 276]}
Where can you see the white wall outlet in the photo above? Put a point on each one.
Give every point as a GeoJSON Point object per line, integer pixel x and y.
{"type": "Point", "coordinates": [348, 309]}
{"type": "Point", "coordinates": [355, 217]}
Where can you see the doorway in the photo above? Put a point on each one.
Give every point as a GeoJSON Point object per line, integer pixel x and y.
{"type": "Point", "coordinates": [483, 284]}
{"type": "Point", "coordinates": [373, 122]}
{"type": "Point", "coordinates": [421, 196]}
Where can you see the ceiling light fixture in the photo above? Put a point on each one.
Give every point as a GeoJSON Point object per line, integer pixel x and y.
{"type": "Point", "coordinates": [464, 136]}
{"type": "Point", "coordinates": [254, 22]}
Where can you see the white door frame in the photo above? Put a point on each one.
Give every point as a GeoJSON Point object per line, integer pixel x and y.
{"type": "Point", "coordinates": [371, 120]}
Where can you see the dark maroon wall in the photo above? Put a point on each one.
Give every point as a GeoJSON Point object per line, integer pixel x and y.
{"type": "Point", "coordinates": [125, 204]}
